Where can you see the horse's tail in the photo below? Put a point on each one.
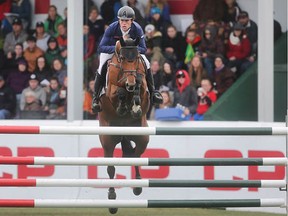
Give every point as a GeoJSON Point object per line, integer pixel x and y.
{"type": "Point", "coordinates": [127, 148]}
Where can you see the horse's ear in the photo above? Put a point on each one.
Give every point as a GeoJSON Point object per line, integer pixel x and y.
{"type": "Point", "coordinates": [122, 42]}
{"type": "Point", "coordinates": [137, 40]}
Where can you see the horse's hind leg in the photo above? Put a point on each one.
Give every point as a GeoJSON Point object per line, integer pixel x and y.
{"type": "Point", "coordinates": [111, 190]}
{"type": "Point", "coordinates": [137, 190]}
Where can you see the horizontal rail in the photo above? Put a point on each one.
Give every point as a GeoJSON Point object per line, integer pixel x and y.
{"type": "Point", "coordinates": [100, 161]}
{"type": "Point", "coordinates": [59, 203]}
{"type": "Point", "coordinates": [93, 130]}
{"type": "Point", "coordinates": [140, 183]}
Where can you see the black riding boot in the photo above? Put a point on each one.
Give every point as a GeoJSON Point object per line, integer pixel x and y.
{"type": "Point", "coordinates": [156, 96]}
{"type": "Point", "coordinates": [96, 96]}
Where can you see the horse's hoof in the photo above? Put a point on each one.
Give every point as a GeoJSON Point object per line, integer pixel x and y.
{"type": "Point", "coordinates": [113, 210]}
{"type": "Point", "coordinates": [112, 195]}
{"type": "Point", "coordinates": [137, 191]}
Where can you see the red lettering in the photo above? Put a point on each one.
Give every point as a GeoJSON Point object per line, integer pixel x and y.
{"type": "Point", "coordinates": [25, 171]}
{"type": "Point", "coordinates": [5, 151]}
{"type": "Point", "coordinates": [253, 171]}
{"type": "Point", "coordinates": [209, 171]}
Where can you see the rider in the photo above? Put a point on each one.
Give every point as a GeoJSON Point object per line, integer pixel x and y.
{"type": "Point", "coordinates": [125, 27]}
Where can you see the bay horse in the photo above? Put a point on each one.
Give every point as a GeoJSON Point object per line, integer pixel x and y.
{"type": "Point", "coordinates": [125, 103]}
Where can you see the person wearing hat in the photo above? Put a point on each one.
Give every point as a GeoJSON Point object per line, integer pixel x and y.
{"type": "Point", "coordinates": [41, 36]}
{"type": "Point", "coordinates": [18, 35]}
{"type": "Point", "coordinates": [185, 95]}
{"type": "Point", "coordinates": [223, 77]}
{"type": "Point", "coordinates": [53, 50]}
{"type": "Point", "coordinates": [238, 48]}
{"type": "Point", "coordinates": [126, 28]}
{"type": "Point", "coordinates": [34, 87]}
{"type": "Point", "coordinates": [31, 53]}
{"type": "Point", "coordinates": [158, 21]}
{"type": "Point", "coordinates": [18, 79]}
{"type": "Point", "coordinates": [23, 9]}
{"type": "Point", "coordinates": [7, 100]}
{"type": "Point", "coordinates": [162, 5]}
{"type": "Point", "coordinates": [153, 40]}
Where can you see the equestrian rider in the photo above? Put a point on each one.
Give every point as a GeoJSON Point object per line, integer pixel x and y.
{"type": "Point", "coordinates": [125, 27]}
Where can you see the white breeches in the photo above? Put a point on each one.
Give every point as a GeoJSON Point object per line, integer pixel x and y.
{"type": "Point", "coordinates": [105, 56]}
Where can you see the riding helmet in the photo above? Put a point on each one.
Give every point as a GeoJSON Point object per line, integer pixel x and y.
{"type": "Point", "coordinates": [126, 12]}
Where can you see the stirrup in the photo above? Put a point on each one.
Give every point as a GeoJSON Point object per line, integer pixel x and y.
{"type": "Point", "coordinates": [157, 98]}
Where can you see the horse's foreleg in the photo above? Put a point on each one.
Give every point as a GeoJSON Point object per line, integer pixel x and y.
{"type": "Point", "coordinates": [122, 108]}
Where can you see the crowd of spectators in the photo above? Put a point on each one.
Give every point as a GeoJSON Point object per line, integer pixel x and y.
{"type": "Point", "coordinates": [192, 68]}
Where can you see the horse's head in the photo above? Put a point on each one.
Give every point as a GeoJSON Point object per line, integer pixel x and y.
{"type": "Point", "coordinates": [128, 51]}
{"type": "Point", "coordinates": [128, 56]}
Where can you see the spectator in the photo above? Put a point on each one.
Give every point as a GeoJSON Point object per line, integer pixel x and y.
{"type": "Point", "coordinates": [31, 53]}
{"type": "Point", "coordinates": [52, 21]}
{"type": "Point", "coordinates": [53, 98]}
{"type": "Point", "coordinates": [89, 52]}
{"type": "Point", "coordinates": [174, 46]}
{"type": "Point", "coordinates": [18, 35]}
{"type": "Point", "coordinates": [53, 50]}
{"type": "Point", "coordinates": [39, 92]}
{"type": "Point", "coordinates": [139, 9]}
{"type": "Point", "coordinates": [5, 25]}
{"type": "Point", "coordinates": [24, 10]}
{"type": "Point", "coordinates": [157, 73]}
{"type": "Point", "coordinates": [251, 29]}
{"type": "Point", "coordinates": [184, 94]}
{"type": "Point", "coordinates": [193, 41]}
{"type": "Point", "coordinates": [64, 55]}
{"type": "Point", "coordinates": [59, 70]}
{"type": "Point", "coordinates": [87, 105]}
{"type": "Point", "coordinates": [238, 48]}
{"type": "Point", "coordinates": [207, 97]}
{"type": "Point", "coordinates": [231, 12]}
{"type": "Point", "coordinates": [88, 5]}
{"type": "Point", "coordinates": [43, 71]}
{"type": "Point", "coordinates": [18, 80]}
{"type": "Point", "coordinates": [168, 74]}
{"type": "Point", "coordinates": [196, 72]}
{"type": "Point", "coordinates": [31, 102]}
{"type": "Point", "coordinates": [153, 40]}
{"type": "Point", "coordinates": [210, 46]}
{"type": "Point", "coordinates": [41, 36]}
{"type": "Point", "coordinates": [89, 43]}
{"type": "Point", "coordinates": [157, 20]}
{"type": "Point", "coordinates": [62, 108]}
{"type": "Point", "coordinates": [209, 10]}
{"type": "Point", "coordinates": [162, 5]}
{"type": "Point", "coordinates": [12, 58]}
{"type": "Point", "coordinates": [7, 100]}
{"type": "Point", "coordinates": [109, 10]}
{"type": "Point", "coordinates": [65, 18]}
{"type": "Point", "coordinates": [62, 35]}
{"type": "Point", "coordinates": [96, 25]}
{"type": "Point", "coordinates": [223, 77]}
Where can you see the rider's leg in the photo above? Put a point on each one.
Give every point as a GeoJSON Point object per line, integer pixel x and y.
{"type": "Point", "coordinates": [156, 96]}
{"type": "Point", "coordinates": [99, 82]}
{"type": "Point", "coordinates": [96, 95]}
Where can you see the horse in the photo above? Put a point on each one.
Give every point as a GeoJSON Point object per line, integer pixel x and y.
{"type": "Point", "coordinates": [125, 103]}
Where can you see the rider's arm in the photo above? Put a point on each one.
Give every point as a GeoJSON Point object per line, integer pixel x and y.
{"type": "Point", "coordinates": [105, 45]}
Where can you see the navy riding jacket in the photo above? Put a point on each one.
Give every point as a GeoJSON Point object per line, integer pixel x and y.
{"type": "Point", "coordinates": [113, 34]}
